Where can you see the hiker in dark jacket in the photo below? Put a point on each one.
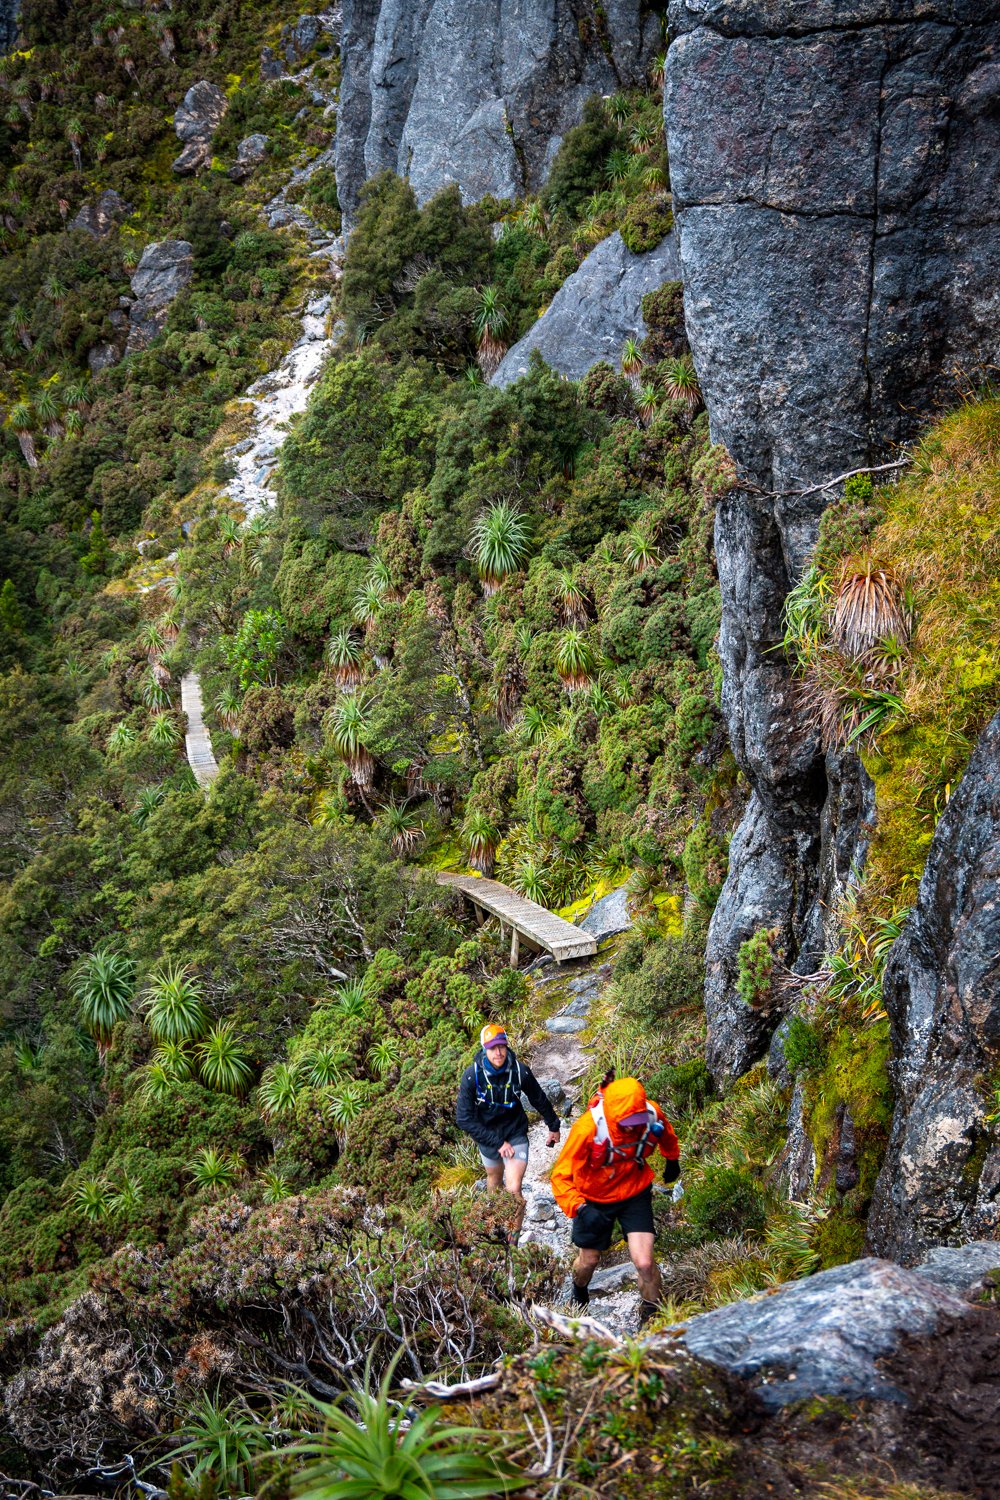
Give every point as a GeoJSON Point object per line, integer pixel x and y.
{"type": "Point", "coordinates": [490, 1110]}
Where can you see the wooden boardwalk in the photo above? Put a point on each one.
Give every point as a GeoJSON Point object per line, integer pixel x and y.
{"type": "Point", "coordinates": [200, 756]}
{"type": "Point", "coordinates": [539, 928]}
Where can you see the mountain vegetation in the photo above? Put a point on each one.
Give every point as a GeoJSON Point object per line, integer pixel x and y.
{"type": "Point", "coordinates": [476, 630]}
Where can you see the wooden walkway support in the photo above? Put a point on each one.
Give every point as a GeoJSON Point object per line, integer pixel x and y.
{"type": "Point", "coordinates": [528, 922]}
{"type": "Point", "coordinates": [200, 755]}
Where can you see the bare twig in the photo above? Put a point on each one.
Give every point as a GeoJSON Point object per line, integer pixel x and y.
{"type": "Point", "coordinates": [576, 1328]}
{"type": "Point", "coordinates": [827, 484]}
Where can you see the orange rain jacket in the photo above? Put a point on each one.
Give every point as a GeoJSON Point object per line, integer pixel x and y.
{"type": "Point", "coordinates": [575, 1178]}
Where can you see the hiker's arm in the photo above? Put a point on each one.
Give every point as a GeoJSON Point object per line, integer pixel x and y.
{"type": "Point", "coordinates": [539, 1099]}
{"type": "Point", "coordinates": [467, 1119]}
{"type": "Point", "coordinates": [669, 1148]}
{"type": "Point", "coordinates": [564, 1189]}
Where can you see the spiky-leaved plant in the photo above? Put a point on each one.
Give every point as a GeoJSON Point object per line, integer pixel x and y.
{"type": "Point", "coordinates": [275, 1186]}
{"type": "Point", "coordinates": [223, 1062]}
{"type": "Point", "coordinates": [121, 739]}
{"type": "Point", "coordinates": [280, 1089]}
{"type": "Point", "coordinates": [529, 881]}
{"type": "Point", "coordinates": [379, 1456]}
{"type": "Point", "coordinates": [323, 1066]}
{"type": "Point", "coordinates": [480, 836]}
{"type": "Point", "coordinates": [641, 551]}
{"type": "Point", "coordinates": [152, 641]}
{"type": "Point", "coordinates": [215, 1170]}
{"type": "Point", "coordinates": [174, 1004]}
{"type": "Point", "coordinates": [618, 108]}
{"type": "Point", "coordinates": [490, 323]}
{"type": "Point", "coordinates": [575, 660]}
{"type": "Point", "coordinates": [227, 706]}
{"type": "Point", "coordinates": [348, 728]}
{"type": "Point", "coordinates": [868, 608]}
{"type": "Point", "coordinates": [500, 538]}
{"type": "Point", "coordinates": [175, 1058]}
{"type": "Point", "coordinates": [648, 403]}
{"type": "Point", "coordinates": [148, 799]}
{"type": "Point", "coordinates": [681, 382]}
{"type": "Point", "coordinates": [369, 603]}
{"type": "Point", "coordinates": [404, 828]}
{"type": "Point", "coordinates": [572, 598]}
{"type": "Point", "coordinates": [91, 1199]}
{"type": "Point", "coordinates": [384, 1055]}
{"type": "Point", "coordinates": [103, 985]}
{"type": "Point", "coordinates": [343, 653]}
{"type": "Point", "coordinates": [163, 733]}
{"type": "Point", "coordinates": [534, 725]}
{"type": "Point", "coordinates": [220, 1445]}
{"type": "Point", "coordinates": [350, 999]}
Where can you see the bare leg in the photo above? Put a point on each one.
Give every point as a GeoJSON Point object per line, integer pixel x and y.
{"type": "Point", "coordinates": [513, 1176]}
{"type": "Point", "coordinates": [640, 1247]}
{"type": "Point", "coordinates": [494, 1177]}
{"type": "Point", "coordinates": [585, 1265]}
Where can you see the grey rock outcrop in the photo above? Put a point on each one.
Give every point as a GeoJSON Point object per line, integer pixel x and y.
{"type": "Point", "coordinates": [941, 1177]}
{"type": "Point", "coordinates": [608, 915]}
{"type": "Point", "coordinates": [9, 10]}
{"type": "Point", "coordinates": [835, 170]}
{"type": "Point", "coordinates": [195, 122]}
{"type": "Point", "coordinates": [163, 272]}
{"type": "Point", "coordinates": [594, 311]}
{"type": "Point", "coordinates": [824, 1335]}
{"type": "Point", "coordinates": [962, 1269]}
{"type": "Point", "coordinates": [249, 154]}
{"type": "Point", "coordinates": [476, 92]}
{"type": "Point", "coordinates": [101, 214]}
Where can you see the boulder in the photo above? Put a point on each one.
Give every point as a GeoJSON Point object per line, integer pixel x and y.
{"type": "Point", "coordinates": [940, 1180]}
{"type": "Point", "coordinates": [609, 915]}
{"type": "Point", "coordinates": [825, 1335]}
{"type": "Point", "coordinates": [271, 66]}
{"type": "Point", "coordinates": [163, 272]}
{"type": "Point", "coordinates": [961, 1269]}
{"type": "Point", "coordinates": [476, 92]}
{"type": "Point", "coordinates": [102, 214]}
{"type": "Point", "coordinates": [834, 170]}
{"type": "Point", "coordinates": [594, 311]}
{"type": "Point", "coordinates": [195, 122]}
{"type": "Point", "coordinates": [299, 38]}
{"type": "Point", "coordinates": [249, 154]}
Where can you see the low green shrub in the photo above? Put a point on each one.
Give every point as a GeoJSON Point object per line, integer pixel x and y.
{"type": "Point", "coordinates": [684, 1088]}
{"type": "Point", "coordinates": [726, 1201]}
{"type": "Point", "coordinates": [803, 1046]}
{"type": "Point", "coordinates": [755, 967]}
{"type": "Point", "coordinates": [646, 222]}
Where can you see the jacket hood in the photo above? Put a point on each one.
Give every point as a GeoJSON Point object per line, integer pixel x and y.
{"type": "Point", "coordinates": [623, 1097]}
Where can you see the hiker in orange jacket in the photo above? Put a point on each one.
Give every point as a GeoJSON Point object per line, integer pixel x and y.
{"type": "Point", "coordinates": [603, 1174]}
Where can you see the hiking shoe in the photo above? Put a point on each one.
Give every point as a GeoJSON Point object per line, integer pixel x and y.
{"type": "Point", "coordinates": [580, 1295]}
{"type": "Point", "coordinates": [647, 1310]}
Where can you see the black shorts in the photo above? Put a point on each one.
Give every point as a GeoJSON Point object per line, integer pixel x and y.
{"type": "Point", "coordinates": [594, 1224]}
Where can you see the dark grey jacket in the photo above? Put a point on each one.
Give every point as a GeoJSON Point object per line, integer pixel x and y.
{"type": "Point", "coordinates": [489, 1104]}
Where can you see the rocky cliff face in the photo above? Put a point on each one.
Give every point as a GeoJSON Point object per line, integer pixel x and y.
{"type": "Point", "coordinates": [835, 168]}
{"type": "Point", "coordinates": [476, 92]}
{"type": "Point", "coordinates": [941, 1176]}
{"type": "Point", "coordinates": [9, 11]}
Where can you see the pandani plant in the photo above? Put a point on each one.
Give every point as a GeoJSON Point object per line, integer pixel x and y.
{"type": "Point", "coordinates": [500, 539]}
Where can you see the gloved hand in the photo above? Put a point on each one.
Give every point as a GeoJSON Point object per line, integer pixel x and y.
{"type": "Point", "coordinates": [671, 1170]}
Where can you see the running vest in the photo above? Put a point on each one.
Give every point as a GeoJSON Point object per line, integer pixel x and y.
{"type": "Point", "coordinates": [486, 1086]}
{"type": "Point", "coordinates": [604, 1152]}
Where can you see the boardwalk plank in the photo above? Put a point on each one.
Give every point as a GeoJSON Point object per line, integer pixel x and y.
{"type": "Point", "coordinates": [201, 757]}
{"type": "Point", "coordinates": [542, 928]}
